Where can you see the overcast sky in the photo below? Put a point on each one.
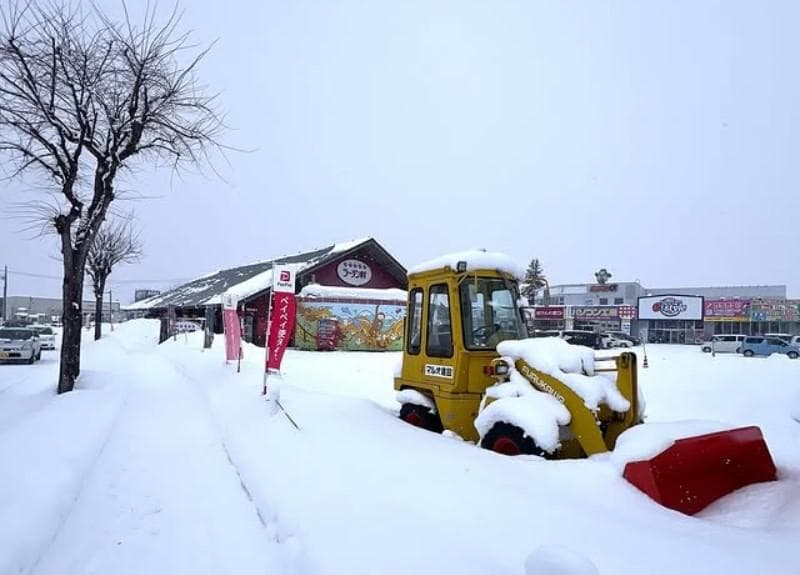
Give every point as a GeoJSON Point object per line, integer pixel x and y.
{"type": "Point", "coordinates": [657, 139]}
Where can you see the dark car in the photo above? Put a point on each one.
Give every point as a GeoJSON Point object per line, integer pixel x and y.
{"type": "Point", "coordinates": [579, 337]}
{"type": "Point", "coordinates": [575, 337]}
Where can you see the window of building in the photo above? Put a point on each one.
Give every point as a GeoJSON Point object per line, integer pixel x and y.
{"type": "Point", "coordinates": [603, 301]}
{"type": "Point", "coordinates": [415, 321]}
{"type": "Point", "coordinates": [440, 334]}
{"type": "Point", "coordinates": [618, 301]}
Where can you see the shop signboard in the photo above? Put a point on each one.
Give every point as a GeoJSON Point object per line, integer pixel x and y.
{"type": "Point", "coordinates": [548, 312]}
{"type": "Point", "coordinates": [775, 310]}
{"type": "Point", "coordinates": [603, 288]}
{"type": "Point", "coordinates": [727, 309]}
{"type": "Point", "coordinates": [354, 272]}
{"type": "Point", "coordinates": [685, 307]}
{"type": "Point", "coordinates": [627, 312]}
{"type": "Point", "coordinates": [282, 316]}
{"type": "Point", "coordinates": [596, 312]}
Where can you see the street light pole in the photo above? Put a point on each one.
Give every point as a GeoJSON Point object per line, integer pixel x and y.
{"type": "Point", "coordinates": [5, 292]}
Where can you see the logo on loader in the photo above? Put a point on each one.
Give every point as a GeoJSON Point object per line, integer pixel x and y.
{"type": "Point", "coordinates": [540, 384]}
{"type": "Point", "coordinates": [438, 371]}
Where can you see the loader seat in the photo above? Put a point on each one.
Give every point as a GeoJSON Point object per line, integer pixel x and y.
{"type": "Point", "coordinates": [440, 342]}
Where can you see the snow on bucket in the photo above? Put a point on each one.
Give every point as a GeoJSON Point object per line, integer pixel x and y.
{"type": "Point", "coordinates": [696, 471]}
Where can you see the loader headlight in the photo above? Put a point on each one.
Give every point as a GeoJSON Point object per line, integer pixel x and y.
{"type": "Point", "coordinates": [500, 367]}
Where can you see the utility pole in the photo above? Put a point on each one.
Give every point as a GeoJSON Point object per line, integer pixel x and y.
{"type": "Point", "coordinates": [5, 291]}
{"type": "Point", "coordinates": [111, 310]}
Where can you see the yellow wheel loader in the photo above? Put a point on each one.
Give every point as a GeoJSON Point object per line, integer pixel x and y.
{"type": "Point", "coordinates": [460, 309]}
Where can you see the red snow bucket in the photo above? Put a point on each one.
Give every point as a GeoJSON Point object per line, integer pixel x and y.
{"type": "Point", "coordinates": [696, 471]}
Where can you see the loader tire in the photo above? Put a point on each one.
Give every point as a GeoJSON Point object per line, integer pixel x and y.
{"type": "Point", "coordinates": [421, 416]}
{"type": "Point", "coordinates": [510, 440]}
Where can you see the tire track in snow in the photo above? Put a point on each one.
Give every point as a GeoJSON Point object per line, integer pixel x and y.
{"type": "Point", "coordinates": [83, 482]}
{"type": "Point", "coordinates": [273, 527]}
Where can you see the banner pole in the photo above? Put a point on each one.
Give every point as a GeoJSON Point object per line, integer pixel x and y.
{"type": "Point", "coordinates": [266, 340]}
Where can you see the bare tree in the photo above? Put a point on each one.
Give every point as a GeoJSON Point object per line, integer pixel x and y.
{"type": "Point", "coordinates": [116, 242]}
{"type": "Point", "coordinates": [82, 98]}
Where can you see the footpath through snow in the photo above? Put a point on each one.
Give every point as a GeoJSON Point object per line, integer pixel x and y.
{"type": "Point", "coordinates": [175, 464]}
{"type": "Point", "coordinates": [127, 476]}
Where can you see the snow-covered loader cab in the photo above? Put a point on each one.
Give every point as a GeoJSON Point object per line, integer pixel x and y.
{"type": "Point", "coordinates": [456, 319]}
{"type": "Point", "coordinates": [468, 368]}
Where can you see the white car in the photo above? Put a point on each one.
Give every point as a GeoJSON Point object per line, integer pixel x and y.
{"type": "Point", "coordinates": [46, 336]}
{"type": "Point", "coordinates": [610, 340]}
{"type": "Point", "coordinates": [19, 344]}
{"type": "Point", "coordinates": [787, 337]}
{"type": "Point", "coordinates": [724, 343]}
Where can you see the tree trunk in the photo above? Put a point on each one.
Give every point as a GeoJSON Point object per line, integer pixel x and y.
{"type": "Point", "coordinates": [72, 316]}
{"type": "Point", "coordinates": [98, 310]}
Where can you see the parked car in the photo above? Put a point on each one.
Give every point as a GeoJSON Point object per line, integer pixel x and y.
{"type": "Point", "coordinates": [724, 344]}
{"type": "Point", "coordinates": [787, 337]}
{"type": "Point", "coordinates": [610, 341]}
{"type": "Point", "coordinates": [762, 345]}
{"type": "Point", "coordinates": [19, 344]}
{"type": "Point", "coordinates": [795, 340]}
{"type": "Point", "coordinates": [627, 337]}
{"type": "Point", "coordinates": [46, 336]}
{"type": "Point", "coordinates": [575, 337]}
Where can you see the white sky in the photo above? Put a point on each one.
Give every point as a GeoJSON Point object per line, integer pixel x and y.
{"type": "Point", "coordinates": [657, 139]}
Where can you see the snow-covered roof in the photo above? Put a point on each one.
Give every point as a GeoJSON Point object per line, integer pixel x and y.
{"type": "Point", "coordinates": [320, 291]}
{"type": "Point", "coordinates": [246, 281]}
{"type": "Point", "coordinates": [476, 260]}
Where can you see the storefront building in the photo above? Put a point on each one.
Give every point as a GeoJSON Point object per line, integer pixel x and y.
{"type": "Point", "coordinates": [752, 316]}
{"type": "Point", "coordinates": [628, 307]}
{"type": "Point", "coordinates": [672, 318]}
{"type": "Point", "coordinates": [545, 317]}
{"type": "Point", "coordinates": [359, 269]}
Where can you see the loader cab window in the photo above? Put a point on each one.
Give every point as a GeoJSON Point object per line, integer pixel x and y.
{"type": "Point", "coordinates": [415, 321]}
{"type": "Point", "coordinates": [489, 312]}
{"type": "Point", "coordinates": [440, 334]}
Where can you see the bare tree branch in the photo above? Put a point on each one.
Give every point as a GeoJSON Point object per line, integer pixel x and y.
{"type": "Point", "coordinates": [83, 97]}
{"type": "Point", "coordinates": [116, 242]}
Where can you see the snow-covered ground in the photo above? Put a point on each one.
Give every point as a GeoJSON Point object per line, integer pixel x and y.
{"type": "Point", "coordinates": [165, 460]}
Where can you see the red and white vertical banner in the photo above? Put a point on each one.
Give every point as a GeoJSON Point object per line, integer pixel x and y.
{"type": "Point", "coordinates": [282, 315]}
{"type": "Point", "coordinates": [232, 327]}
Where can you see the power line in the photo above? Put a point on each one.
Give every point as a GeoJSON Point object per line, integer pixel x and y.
{"type": "Point", "coordinates": [128, 281]}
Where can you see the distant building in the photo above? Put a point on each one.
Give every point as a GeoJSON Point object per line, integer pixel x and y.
{"type": "Point", "coordinates": [33, 309]}
{"type": "Point", "coordinates": [673, 315]}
